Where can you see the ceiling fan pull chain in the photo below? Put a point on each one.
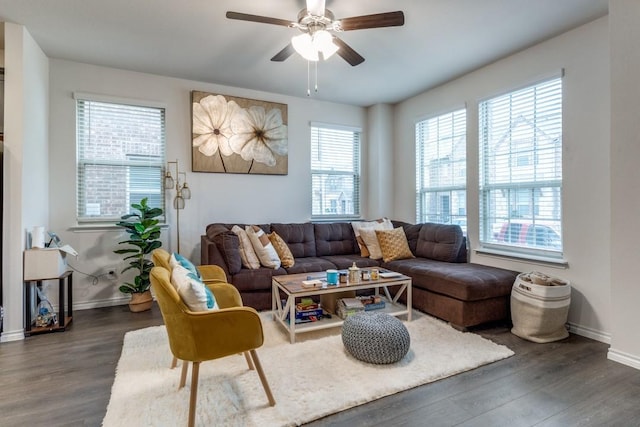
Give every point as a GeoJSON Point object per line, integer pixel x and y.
{"type": "Point", "coordinates": [316, 87]}
{"type": "Point", "coordinates": [308, 80]}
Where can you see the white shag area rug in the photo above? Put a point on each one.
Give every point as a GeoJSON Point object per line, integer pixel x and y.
{"type": "Point", "coordinates": [310, 379]}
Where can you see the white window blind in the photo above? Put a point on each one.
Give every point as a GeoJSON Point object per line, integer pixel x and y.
{"type": "Point", "coordinates": [521, 170]}
{"type": "Point", "coordinates": [120, 158]}
{"type": "Point", "coordinates": [335, 171]}
{"type": "Point", "coordinates": [441, 169]}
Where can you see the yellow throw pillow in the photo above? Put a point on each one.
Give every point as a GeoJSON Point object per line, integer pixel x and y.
{"type": "Point", "coordinates": [286, 257]}
{"type": "Point", "coordinates": [393, 244]}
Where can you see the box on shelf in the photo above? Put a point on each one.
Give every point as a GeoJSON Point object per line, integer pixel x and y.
{"type": "Point", "coordinates": [348, 307]}
{"type": "Point", "coordinates": [330, 301]}
{"type": "Point", "coordinates": [46, 263]}
{"type": "Point", "coordinates": [373, 302]}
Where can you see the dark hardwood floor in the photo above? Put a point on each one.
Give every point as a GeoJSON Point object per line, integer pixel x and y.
{"type": "Point", "coordinates": [65, 378]}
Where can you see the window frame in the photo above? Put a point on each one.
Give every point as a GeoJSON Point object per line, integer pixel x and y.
{"type": "Point", "coordinates": [329, 174]}
{"type": "Point", "coordinates": [489, 236]}
{"type": "Point", "coordinates": [137, 160]}
{"type": "Point", "coordinates": [458, 136]}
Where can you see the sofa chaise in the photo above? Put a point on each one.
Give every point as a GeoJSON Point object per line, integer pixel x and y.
{"type": "Point", "coordinates": [445, 285]}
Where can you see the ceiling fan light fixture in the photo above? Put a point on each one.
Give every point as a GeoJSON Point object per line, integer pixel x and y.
{"type": "Point", "coordinates": [303, 44]}
{"type": "Point", "coordinates": [323, 42]}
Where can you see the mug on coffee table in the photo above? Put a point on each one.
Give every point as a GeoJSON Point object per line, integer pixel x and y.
{"type": "Point", "coordinates": [332, 277]}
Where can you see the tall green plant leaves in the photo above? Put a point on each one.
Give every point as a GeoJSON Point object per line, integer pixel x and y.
{"type": "Point", "coordinates": [144, 235]}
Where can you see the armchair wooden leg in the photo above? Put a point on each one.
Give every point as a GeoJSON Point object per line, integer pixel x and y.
{"type": "Point", "coordinates": [183, 376]}
{"type": "Point", "coordinates": [263, 378]}
{"type": "Point", "coordinates": [174, 362]}
{"type": "Point", "coordinates": [194, 393]}
{"type": "Point", "coordinates": [249, 361]}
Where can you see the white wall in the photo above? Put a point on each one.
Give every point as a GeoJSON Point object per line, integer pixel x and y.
{"type": "Point", "coordinates": [25, 169]}
{"type": "Point", "coordinates": [379, 162]}
{"type": "Point", "coordinates": [584, 55]}
{"type": "Point", "coordinates": [624, 16]}
{"type": "Point", "coordinates": [215, 197]}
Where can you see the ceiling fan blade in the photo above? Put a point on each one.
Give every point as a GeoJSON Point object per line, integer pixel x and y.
{"type": "Point", "coordinates": [389, 19]}
{"type": "Point", "coordinates": [256, 18]}
{"type": "Point", "coordinates": [347, 53]}
{"type": "Point", "coordinates": [316, 7]}
{"type": "Point", "coordinates": [284, 53]}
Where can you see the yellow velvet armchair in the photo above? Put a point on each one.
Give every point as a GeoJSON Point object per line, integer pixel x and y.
{"type": "Point", "coordinates": [200, 336]}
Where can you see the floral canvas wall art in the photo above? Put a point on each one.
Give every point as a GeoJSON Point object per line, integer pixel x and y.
{"type": "Point", "coordinates": [238, 135]}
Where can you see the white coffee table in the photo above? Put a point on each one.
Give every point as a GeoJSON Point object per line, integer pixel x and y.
{"type": "Point", "coordinates": [291, 285]}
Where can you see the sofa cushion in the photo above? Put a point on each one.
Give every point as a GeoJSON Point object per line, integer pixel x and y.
{"type": "Point", "coordinates": [263, 247]}
{"type": "Point", "coordinates": [255, 280]}
{"type": "Point", "coordinates": [247, 253]}
{"type": "Point", "coordinates": [440, 242]}
{"type": "Point", "coordinates": [463, 281]}
{"type": "Point", "coordinates": [343, 262]}
{"type": "Point", "coordinates": [283, 251]}
{"type": "Point", "coordinates": [299, 237]}
{"type": "Point", "coordinates": [412, 231]}
{"type": "Point", "coordinates": [228, 244]}
{"type": "Point", "coordinates": [335, 239]}
{"type": "Point", "coordinates": [310, 265]}
{"type": "Point", "coordinates": [393, 244]}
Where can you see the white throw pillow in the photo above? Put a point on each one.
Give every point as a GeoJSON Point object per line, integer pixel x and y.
{"type": "Point", "coordinates": [177, 259]}
{"type": "Point", "coordinates": [371, 240]}
{"type": "Point", "coordinates": [263, 247]}
{"type": "Point", "coordinates": [247, 253]}
{"type": "Point", "coordinates": [379, 224]}
{"type": "Point", "coordinates": [193, 292]}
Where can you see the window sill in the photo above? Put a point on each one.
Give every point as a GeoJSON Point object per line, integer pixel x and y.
{"type": "Point", "coordinates": [84, 228]}
{"type": "Point", "coordinates": [531, 259]}
{"type": "Point", "coordinates": [345, 218]}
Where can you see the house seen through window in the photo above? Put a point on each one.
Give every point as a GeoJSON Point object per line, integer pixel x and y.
{"type": "Point", "coordinates": [335, 171]}
{"type": "Point", "coordinates": [120, 158]}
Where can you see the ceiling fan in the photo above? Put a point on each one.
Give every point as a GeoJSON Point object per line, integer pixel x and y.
{"type": "Point", "coordinates": [317, 26]}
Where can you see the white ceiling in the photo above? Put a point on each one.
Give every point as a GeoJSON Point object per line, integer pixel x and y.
{"type": "Point", "coordinates": [192, 39]}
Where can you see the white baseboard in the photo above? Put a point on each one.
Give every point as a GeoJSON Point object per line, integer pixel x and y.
{"type": "Point", "coordinates": [101, 303]}
{"type": "Point", "coordinates": [590, 333]}
{"type": "Point", "coordinates": [624, 358]}
{"type": "Point", "coordinates": [12, 336]}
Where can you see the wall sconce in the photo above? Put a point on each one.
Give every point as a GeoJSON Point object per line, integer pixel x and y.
{"type": "Point", "coordinates": [183, 192]}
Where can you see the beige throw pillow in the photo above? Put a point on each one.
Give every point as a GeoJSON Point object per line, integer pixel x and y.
{"type": "Point", "coordinates": [247, 253]}
{"type": "Point", "coordinates": [283, 251]}
{"type": "Point", "coordinates": [263, 247]}
{"type": "Point", "coordinates": [371, 242]}
{"type": "Point", "coordinates": [393, 244]}
{"type": "Point", "coordinates": [379, 224]}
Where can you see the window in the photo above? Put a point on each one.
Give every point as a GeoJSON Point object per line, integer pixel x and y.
{"type": "Point", "coordinates": [335, 171]}
{"type": "Point", "coordinates": [521, 170]}
{"type": "Point", "coordinates": [441, 165]}
{"type": "Point", "coordinates": [120, 155]}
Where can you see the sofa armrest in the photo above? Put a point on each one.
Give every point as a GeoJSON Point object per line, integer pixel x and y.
{"type": "Point", "coordinates": [210, 255]}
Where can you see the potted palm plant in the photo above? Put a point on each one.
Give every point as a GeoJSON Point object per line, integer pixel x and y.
{"type": "Point", "coordinates": [144, 233]}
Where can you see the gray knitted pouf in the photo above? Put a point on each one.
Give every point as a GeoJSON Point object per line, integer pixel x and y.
{"type": "Point", "coordinates": [375, 337]}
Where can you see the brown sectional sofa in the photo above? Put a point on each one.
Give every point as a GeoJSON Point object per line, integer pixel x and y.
{"type": "Point", "coordinates": [444, 283]}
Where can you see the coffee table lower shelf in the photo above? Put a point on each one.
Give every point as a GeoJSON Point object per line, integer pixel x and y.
{"type": "Point", "coordinates": [285, 309]}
